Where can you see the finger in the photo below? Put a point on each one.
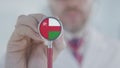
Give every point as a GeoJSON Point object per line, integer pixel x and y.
{"type": "Point", "coordinates": [58, 46]}
{"type": "Point", "coordinates": [38, 17]}
{"type": "Point", "coordinates": [27, 31]}
{"type": "Point", "coordinates": [38, 58]}
{"type": "Point", "coordinates": [15, 56]}
{"type": "Point", "coordinates": [59, 43]}
{"type": "Point", "coordinates": [30, 20]}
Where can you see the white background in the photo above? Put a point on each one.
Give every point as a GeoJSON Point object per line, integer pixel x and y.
{"type": "Point", "coordinates": [106, 20]}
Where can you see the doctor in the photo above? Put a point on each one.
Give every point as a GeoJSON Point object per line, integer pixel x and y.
{"type": "Point", "coordinates": [80, 46]}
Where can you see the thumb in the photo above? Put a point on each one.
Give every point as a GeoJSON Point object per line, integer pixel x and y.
{"type": "Point", "coordinates": [58, 46]}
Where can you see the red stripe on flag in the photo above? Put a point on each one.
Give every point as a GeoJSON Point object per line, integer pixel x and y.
{"type": "Point", "coordinates": [44, 28]}
{"type": "Point", "coordinates": [54, 28]}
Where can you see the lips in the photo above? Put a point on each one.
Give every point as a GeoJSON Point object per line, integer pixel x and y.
{"type": "Point", "coordinates": [72, 13]}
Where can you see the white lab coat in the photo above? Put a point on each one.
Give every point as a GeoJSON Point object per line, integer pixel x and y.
{"type": "Point", "coordinates": [100, 53]}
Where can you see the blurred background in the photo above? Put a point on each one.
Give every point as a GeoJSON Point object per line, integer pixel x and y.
{"type": "Point", "coordinates": [106, 18]}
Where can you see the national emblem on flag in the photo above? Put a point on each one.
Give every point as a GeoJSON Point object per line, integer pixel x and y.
{"type": "Point", "coordinates": [50, 28]}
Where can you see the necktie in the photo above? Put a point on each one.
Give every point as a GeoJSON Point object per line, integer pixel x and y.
{"type": "Point", "coordinates": [75, 45]}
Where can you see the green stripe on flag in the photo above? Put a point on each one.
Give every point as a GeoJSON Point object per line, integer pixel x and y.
{"type": "Point", "coordinates": [53, 35]}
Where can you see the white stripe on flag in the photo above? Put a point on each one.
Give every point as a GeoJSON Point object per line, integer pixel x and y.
{"type": "Point", "coordinates": [53, 22]}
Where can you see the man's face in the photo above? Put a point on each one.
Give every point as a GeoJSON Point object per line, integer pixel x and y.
{"type": "Point", "coordinates": [72, 13]}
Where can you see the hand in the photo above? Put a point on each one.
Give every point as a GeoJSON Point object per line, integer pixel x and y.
{"type": "Point", "coordinates": [26, 49]}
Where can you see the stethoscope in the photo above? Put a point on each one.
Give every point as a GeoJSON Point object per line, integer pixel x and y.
{"type": "Point", "coordinates": [50, 29]}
